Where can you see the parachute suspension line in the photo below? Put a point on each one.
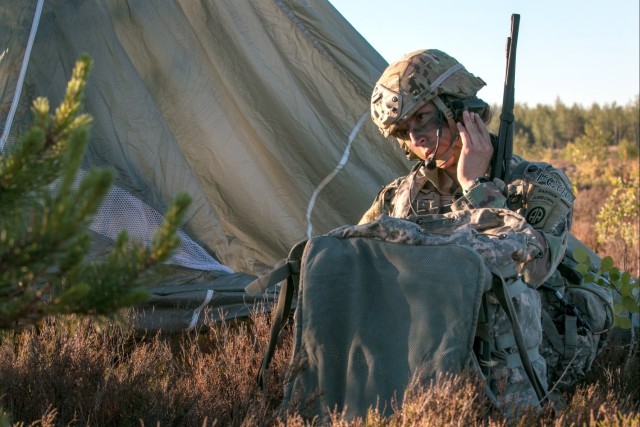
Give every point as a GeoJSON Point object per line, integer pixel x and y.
{"type": "Point", "coordinates": [23, 72]}
{"type": "Point", "coordinates": [328, 178]}
{"type": "Point", "coordinates": [196, 312]}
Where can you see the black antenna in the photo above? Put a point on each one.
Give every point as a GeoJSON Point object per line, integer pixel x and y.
{"type": "Point", "coordinates": [504, 150]}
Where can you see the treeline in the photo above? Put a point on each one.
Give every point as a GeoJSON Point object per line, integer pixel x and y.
{"type": "Point", "coordinates": [555, 126]}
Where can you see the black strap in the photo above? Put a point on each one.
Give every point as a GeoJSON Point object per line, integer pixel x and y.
{"type": "Point", "coordinates": [282, 314]}
{"type": "Point", "coordinates": [289, 271]}
{"type": "Point", "coordinates": [482, 335]}
{"type": "Point", "coordinates": [500, 290]}
{"type": "Point", "coordinates": [518, 171]}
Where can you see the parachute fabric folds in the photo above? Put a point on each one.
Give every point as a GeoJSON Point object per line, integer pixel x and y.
{"type": "Point", "coordinates": [247, 106]}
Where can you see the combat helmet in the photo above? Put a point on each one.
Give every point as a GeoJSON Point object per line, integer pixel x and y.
{"type": "Point", "coordinates": [415, 79]}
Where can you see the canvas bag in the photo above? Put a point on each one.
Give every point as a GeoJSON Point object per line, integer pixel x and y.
{"type": "Point", "coordinates": [382, 303]}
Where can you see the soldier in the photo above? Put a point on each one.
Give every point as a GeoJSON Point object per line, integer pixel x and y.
{"type": "Point", "coordinates": [427, 101]}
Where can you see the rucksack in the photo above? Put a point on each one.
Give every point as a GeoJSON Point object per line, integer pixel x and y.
{"type": "Point", "coordinates": [382, 304]}
{"type": "Point", "coordinates": [577, 317]}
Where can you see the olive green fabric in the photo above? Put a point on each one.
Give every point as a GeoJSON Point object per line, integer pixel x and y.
{"type": "Point", "coordinates": [571, 344]}
{"type": "Point", "coordinates": [245, 105]}
{"type": "Point", "coordinates": [372, 314]}
{"type": "Point", "coordinates": [189, 300]}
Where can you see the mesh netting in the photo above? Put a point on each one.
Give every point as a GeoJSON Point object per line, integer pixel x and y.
{"type": "Point", "coordinates": [120, 210]}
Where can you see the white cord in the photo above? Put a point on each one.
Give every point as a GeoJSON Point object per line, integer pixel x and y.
{"type": "Point", "coordinates": [23, 72]}
{"type": "Point", "coordinates": [343, 160]}
{"type": "Point", "coordinates": [196, 312]}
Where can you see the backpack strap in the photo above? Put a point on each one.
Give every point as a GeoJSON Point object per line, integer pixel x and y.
{"type": "Point", "coordinates": [502, 294]}
{"type": "Point", "coordinates": [272, 278]}
{"type": "Point", "coordinates": [573, 320]}
{"type": "Point", "coordinates": [289, 274]}
{"type": "Point", "coordinates": [551, 332]}
{"type": "Point", "coordinates": [518, 172]}
{"type": "Point", "coordinates": [482, 347]}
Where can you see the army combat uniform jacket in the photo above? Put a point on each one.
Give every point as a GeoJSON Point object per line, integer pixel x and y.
{"type": "Point", "coordinates": [540, 193]}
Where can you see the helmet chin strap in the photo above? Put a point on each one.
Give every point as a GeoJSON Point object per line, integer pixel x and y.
{"type": "Point", "coordinates": [453, 150]}
{"type": "Point", "coordinates": [431, 162]}
{"type": "Point", "coordinates": [447, 114]}
{"type": "Point", "coordinates": [455, 147]}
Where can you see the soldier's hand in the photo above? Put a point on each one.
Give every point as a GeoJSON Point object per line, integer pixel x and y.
{"type": "Point", "coordinates": [476, 149]}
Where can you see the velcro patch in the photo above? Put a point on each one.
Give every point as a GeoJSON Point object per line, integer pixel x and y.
{"type": "Point", "coordinates": [554, 185]}
{"type": "Point", "coordinates": [549, 198]}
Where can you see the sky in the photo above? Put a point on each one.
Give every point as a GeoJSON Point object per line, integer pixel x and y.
{"type": "Point", "coordinates": [579, 51]}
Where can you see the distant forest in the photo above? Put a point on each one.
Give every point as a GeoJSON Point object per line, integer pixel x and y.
{"type": "Point", "coordinates": [545, 127]}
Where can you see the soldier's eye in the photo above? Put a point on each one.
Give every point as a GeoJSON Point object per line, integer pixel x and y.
{"type": "Point", "coordinates": [401, 133]}
{"type": "Point", "coordinates": [421, 117]}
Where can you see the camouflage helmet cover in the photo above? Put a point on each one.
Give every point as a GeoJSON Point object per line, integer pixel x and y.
{"type": "Point", "coordinates": [415, 79]}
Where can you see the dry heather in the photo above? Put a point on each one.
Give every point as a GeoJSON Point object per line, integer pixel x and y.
{"type": "Point", "coordinates": [105, 374]}
{"type": "Point", "coordinates": [77, 371]}
{"type": "Point", "coordinates": [590, 199]}
{"type": "Point", "coordinates": [586, 209]}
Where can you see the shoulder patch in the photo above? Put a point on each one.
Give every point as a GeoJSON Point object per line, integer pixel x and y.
{"type": "Point", "coordinates": [549, 197]}
{"type": "Point", "coordinates": [536, 215]}
{"type": "Point", "coordinates": [552, 181]}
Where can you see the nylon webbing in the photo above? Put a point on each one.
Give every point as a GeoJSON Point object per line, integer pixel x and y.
{"type": "Point", "coordinates": [285, 298]}
{"type": "Point", "coordinates": [196, 312]}
{"type": "Point", "coordinates": [273, 277]}
{"type": "Point", "coordinates": [282, 313]}
{"type": "Point", "coordinates": [551, 332]}
{"type": "Point", "coordinates": [501, 292]}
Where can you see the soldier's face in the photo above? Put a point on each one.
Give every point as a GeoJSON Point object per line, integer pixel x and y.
{"type": "Point", "coordinates": [419, 133]}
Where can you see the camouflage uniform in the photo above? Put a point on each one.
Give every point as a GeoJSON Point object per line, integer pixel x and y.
{"type": "Point", "coordinates": [538, 192]}
{"type": "Point", "coordinates": [543, 195]}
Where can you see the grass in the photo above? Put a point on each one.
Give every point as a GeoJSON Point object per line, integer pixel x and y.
{"type": "Point", "coordinates": [79, 371]}
{"type": "Point", "coordinates": [105, 374]}
{"type": "Point", "coordinates": [75, 371]}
